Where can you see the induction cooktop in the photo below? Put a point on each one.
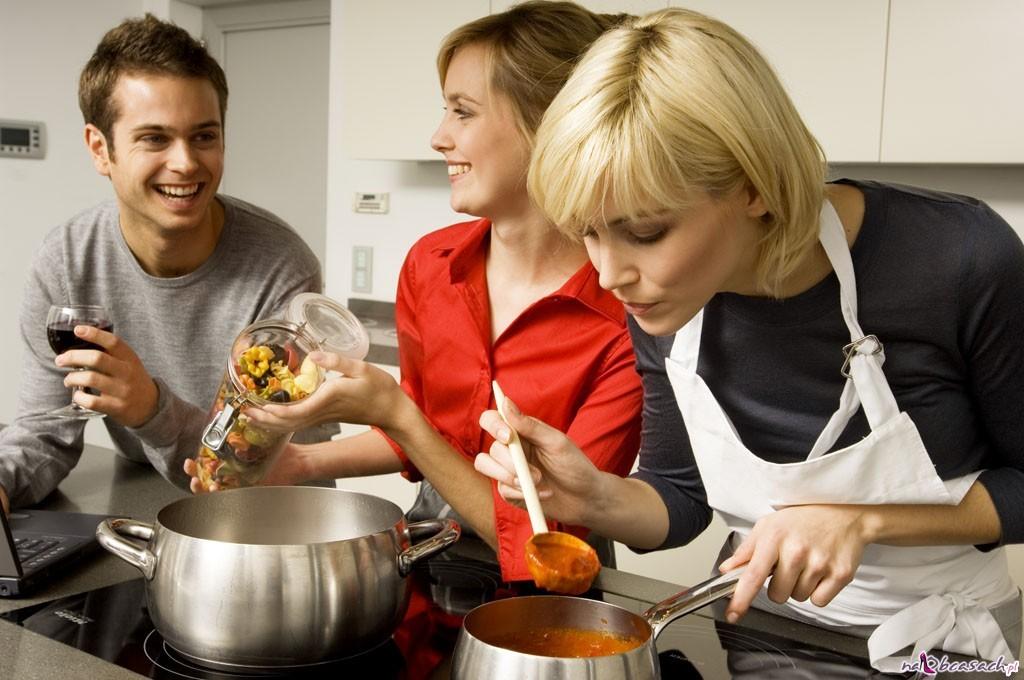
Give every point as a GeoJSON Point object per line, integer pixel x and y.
{"type": "Point", "coordinates": [113, 624]}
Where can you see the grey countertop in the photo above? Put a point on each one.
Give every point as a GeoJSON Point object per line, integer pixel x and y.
{"type": "Point", "coordinates": [102, 483]}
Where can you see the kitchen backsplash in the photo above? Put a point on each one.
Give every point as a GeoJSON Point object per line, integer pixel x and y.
{"type": "Point", "coordinates": [378, 318]}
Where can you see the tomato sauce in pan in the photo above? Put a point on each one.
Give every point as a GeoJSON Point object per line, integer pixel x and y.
{"type": "Point", "coordinates": [565, 642]}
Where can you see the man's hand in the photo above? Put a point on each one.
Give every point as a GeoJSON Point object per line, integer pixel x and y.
{"type": "Point", "coordinates": [196, 485]}
{"type": "Point", "coordinates": [4, 501]}
{"type": "Point", "coordinates": [127, 393]}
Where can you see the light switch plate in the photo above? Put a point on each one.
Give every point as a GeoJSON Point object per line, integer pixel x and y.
{"type": "Point", "coordinates": [362, 269]}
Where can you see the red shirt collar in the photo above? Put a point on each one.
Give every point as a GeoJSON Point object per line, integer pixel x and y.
{"type": "Point", "coordinates": [466, 253]}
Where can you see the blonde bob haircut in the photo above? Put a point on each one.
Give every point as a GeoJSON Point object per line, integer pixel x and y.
{"type": "Point", "coordinates": [531, 49]}
{"type": "Point", "coordinates": [666, 107]}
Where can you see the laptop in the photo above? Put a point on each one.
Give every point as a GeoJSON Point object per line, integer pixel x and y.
{"type": "Point", "coordinates": [36, 544]}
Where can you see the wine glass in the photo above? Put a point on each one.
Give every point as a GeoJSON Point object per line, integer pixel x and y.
{"type": "Point", "coordinates": [60, 331]}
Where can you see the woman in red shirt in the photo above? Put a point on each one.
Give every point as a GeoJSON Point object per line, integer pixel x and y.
{"type": "Point", "coordinates": [503, 297]}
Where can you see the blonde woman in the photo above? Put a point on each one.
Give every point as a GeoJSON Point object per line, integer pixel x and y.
{"type": "Point", "coordinates": [871, 497]}
{"type": "Point", "coordinates": [503, 297]}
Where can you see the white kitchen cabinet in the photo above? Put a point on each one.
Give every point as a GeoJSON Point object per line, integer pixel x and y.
{"type": "Point", "coordinates": [830, 55]}
{"type": "Point", "coordinates": [391, 100]}
{"type": "Point", "coordinates": [953, 82]}
{"type": "Point", "coordinates": [897, 81]}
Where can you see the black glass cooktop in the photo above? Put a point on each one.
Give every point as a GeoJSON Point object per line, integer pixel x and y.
{"type": "Point", "coordinates": [113, 624]}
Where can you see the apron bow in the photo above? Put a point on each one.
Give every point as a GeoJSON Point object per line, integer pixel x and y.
{"type": "Point", "coordinates": [948, 621]}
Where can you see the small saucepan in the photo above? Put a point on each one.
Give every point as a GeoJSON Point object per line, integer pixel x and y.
{"type": "Point", "coordinates": [542, 636]}
{"type": "Point", "coordinates": [276, 576]}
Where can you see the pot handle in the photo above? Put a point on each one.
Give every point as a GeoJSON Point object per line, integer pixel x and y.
{"type": "Point", "coordinates": [445, 532]}
{"type": "Point", "coordinates": [109, 534]}
{"type": "Point", "coordinates": [691, 599]}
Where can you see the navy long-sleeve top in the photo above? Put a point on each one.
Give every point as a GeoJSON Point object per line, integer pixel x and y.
{"type": "Point", "coordinates": [940, 281]}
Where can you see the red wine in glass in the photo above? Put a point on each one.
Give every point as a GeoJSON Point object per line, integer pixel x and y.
{"type": "Point", "coordinates": [62, 337]}
{"type": "Point", "coordinates": [60, 332]}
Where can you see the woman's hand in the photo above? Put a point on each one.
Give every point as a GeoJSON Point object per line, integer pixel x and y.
{"type": "Point", "coordinates": [363, 394]}
{"type": "Point", "coordinates": [567, 481]}
{"type": "Point", "coordinates": [809, 552]}
{"type": "Point", "coordinates": [291, 467]}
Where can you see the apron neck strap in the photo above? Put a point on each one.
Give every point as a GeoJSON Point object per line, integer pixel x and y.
{"type": "Point", "coordinates": [863, 365]}
{"type": "Point", "coordinates": [833, 240]}
{"type": "Point", "coordinates": [866, 384]}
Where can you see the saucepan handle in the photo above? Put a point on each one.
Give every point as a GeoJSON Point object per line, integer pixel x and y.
{"type": "Point", "coordinates": [691, 599]}
{"type": "Point", "coordinates": [444, 533]}
{"type": "Point", "coordinates": [109, 533]}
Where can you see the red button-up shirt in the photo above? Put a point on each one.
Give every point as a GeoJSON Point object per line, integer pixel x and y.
{"type": "Point", "coordinates": [567, 360]}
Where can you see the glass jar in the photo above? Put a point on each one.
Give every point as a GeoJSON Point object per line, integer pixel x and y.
{"type": "Point", "coordinates": [268, 364]}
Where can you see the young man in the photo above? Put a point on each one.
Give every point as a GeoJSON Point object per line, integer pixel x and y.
{"type": "Point", "coordinates": [180, 269]}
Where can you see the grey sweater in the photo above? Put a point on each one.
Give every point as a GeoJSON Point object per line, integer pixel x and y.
{"type": "Point", "coordinates": [181, 328]}
{"type": "Point", "coordinates": [939, 281]}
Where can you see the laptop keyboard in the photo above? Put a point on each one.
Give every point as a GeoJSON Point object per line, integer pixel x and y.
{"type": "Point", "coordinates": [34, 551]}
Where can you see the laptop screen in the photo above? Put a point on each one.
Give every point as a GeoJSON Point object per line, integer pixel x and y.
{"type": "Point", "coordinates": [38, 542]}
{"type": "Point", "coordinates": [9, 564]}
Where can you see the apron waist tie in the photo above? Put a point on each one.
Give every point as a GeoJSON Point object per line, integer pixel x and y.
{"type": "Point", "coordinates": [949, 622]}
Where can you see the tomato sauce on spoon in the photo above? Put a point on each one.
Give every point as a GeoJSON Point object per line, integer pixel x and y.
{"type": "Point", "coordinates": [557, 561]}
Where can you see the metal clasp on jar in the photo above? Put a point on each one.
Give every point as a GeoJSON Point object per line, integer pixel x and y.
{"type": "Point", "coordinates": [217, 431]}
{"type": "Point", "coordinates": [317, 344]}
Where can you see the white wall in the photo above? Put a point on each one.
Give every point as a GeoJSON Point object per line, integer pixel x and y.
{"type": "Point", "coordinates": [43, 47]}
{"type": "Point", "coordinates": [39, 81]}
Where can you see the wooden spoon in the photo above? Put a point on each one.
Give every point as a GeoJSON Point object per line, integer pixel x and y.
{"type": "Point", "coordinates": [557, 561]}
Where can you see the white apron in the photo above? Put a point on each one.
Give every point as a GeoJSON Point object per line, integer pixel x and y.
{"type": "Point", "coordinates": [922, 597]}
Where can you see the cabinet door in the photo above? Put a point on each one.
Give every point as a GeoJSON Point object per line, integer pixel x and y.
{"type": "Point", "coordinates": [391, 102]}
{"type": "Point", "coordinates": [953, 85]}
{"type": "Point", "coordinates": [830, 55]}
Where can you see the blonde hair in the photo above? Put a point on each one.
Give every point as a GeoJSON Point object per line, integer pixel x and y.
{"type": "Point", "coordinates": [673, 104]}
{"type": "Point", "coordinates": [531, 49]}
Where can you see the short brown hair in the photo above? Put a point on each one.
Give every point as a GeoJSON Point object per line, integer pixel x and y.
{"type": "Point", "coordinates": [143, 46]}
{"type": "Point", "coordinates": [531, 49]}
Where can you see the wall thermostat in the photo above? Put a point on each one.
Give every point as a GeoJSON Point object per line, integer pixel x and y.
{"type": "Point", "coordinates": [370, 203]}
{"type": "Point", "coordinates": [22, 139]}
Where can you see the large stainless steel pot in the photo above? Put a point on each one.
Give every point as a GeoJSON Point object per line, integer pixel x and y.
{"type": "Point", "coordinates": [477, 657]}
{"type": "Point", "coordinates": [276, 576]}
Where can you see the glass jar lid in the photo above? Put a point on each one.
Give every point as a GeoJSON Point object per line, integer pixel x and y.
{"type": "Point", "coordinates": [330, 324]}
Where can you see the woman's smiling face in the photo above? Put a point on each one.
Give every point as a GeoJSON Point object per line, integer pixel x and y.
{"type": "Point", "coordinates": [478, 136]}
{"type": "Point", "coordinates": [665, 267]}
